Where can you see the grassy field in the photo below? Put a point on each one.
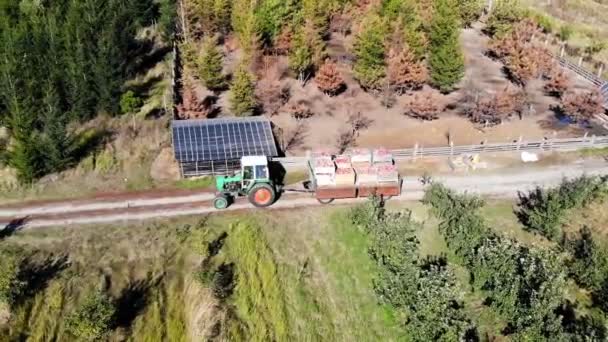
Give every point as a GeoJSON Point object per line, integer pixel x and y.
{"type": "Point", "coordinates": [300, 274]}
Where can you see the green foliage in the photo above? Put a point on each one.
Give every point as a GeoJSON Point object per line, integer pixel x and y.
{"type": "Point", "coordinates": [470, 11]}
{"type": "Point", "coordinates": [565, 32]}
{"type": "Point", "coordinates": [130, 103]}
{"type": "Point", "coordinates": [242, 92]}
{"type": "Point", "coordinates": [58, 63]}
{"type": "Point", "coordinates": [524, 284]}
{"type": "Point", "coordinates": [446, 60]}
{"type": "Point", "coordinates": [504, 14]}
{"type": "Point", "coordinates": [369, 50]}
{"type": "Point", "coordinates": [93, 319]}
{"type": "Point", "coordinates": [589, 264]}
{"type": "Point", "coordinates": [11, 286]}
{"type": "Point", "coordinates": [244, 22]}
{"type": "Point", "coordinates": [214, 15]}
{"type": "Point", "coordinates": [210, 65]}
{"type": "Point", "coordinates": [436, 313]}
{"type": "Point", "coordinates": [426, 292]}
{"type": "Point", "coordinates": [300, 56]}
{"type": "Point", "coordinates": [271, 15]}
{"type": "Point", "coordinates": [545, 22]}
{"type": "Point", "coordinates": [543, 210]}
{"type": "Point", "coordinates": [166, 21]}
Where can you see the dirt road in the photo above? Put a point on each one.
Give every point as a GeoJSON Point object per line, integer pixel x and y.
{"type": "Point", "coordinates": [89, 211]}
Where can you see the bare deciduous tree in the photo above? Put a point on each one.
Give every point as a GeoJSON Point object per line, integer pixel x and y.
{"type": "Point", "coordinates": [294, 138]}
{"type": "Point", "coordinates": [270, 92]}
{"type": "Point", "coordinates": [348, 137]}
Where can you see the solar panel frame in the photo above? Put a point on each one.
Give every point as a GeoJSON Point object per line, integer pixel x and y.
{"type": "Point", "coordinates": [222, 139]}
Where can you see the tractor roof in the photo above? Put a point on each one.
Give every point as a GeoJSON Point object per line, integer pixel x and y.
{"type": "Point", "coordinates": [254, 160]}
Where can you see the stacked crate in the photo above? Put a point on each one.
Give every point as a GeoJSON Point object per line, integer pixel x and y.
{"type": "Point", "coordinates": [382, 156]}
{"type": "Point", "coordinates": [387, 173]}
{"type": "Point", "coordinates": [345, 175]}
{"type": "Point", "coordinates": [324, 170]}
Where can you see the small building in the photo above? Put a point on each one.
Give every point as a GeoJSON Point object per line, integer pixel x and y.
{"type": "Point", "coordinates": [215, 146]}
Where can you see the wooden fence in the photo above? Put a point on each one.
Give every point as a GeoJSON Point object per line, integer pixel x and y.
{"type": "Point", "coordinates": [545, 145]}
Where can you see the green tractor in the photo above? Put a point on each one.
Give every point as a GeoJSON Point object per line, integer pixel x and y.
{"type": "Point", "coordinates": [253, 181]}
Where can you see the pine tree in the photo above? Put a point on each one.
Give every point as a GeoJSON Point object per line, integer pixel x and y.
{"type": "Point", "coordinates": [210, 66]}
{"type": "Point", "coordinates": [446, 60]}
{"type": "Point", "coordinates": [58, 142]}
{"type": "Point", "coordinates": [300, 57]}
{"type": "Point", "coordinates": [370, 67]}
{"type": "Point", "coordinates": [470, 11]}
{"type": "Point", "coordinates": [242, 92]}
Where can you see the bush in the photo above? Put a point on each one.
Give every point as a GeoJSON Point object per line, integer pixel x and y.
{"type": "Point", "coordinates": [11, 286]}
{"type": "Point", "coordinates": [470, 11]}
{"type": "Point", "coordinates": [504, 15]}
{"type": "Point", "coordinates": [130, 103]}
{"type": "Point", "coordinates": [589, 263]}
{"type": "Point", "coordinates": [93, 319]}
{"type": "Point", "coordinates": [425, 105]}
{"type": "Point", "coordinates": [543, 210]}
{"type": "Point", "coordinates": [580, 106]}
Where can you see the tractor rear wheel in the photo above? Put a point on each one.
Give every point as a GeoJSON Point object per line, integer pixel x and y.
{"type": "Point", "coordinates": [221, 202]}
{"type": "Point", "coordinates": [262, 195]}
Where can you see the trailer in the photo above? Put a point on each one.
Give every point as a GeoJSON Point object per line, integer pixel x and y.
{"type": "Point", "coordinates": [326, 192]}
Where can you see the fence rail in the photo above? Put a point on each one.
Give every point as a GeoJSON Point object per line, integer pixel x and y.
{"type": "Point", "coordinates": [545, 145]}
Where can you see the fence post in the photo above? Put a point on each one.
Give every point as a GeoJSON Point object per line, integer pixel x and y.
{"type": "Point", "coordinates": [519, 142]}
{"type": "Point", "coordinates": [415, 151]}
{"type": "Point", "coordinates": [451, 148]}
{"type": "Point", "coordinates": [561, 51]}
{"type": "Point", "coordinates": [592, 140]}
{"type": "Point", "coordinates": [600, 70]}
{"type": "Point", "coordinates": [580, 61]}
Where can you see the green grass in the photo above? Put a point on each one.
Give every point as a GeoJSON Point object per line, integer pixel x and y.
{"type": "Point", "coordinates": [328, 277]}
{"type": "Point", "coordinates": [195, 183]}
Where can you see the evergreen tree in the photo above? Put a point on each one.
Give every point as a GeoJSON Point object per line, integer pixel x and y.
{"type": "Point", "coordinates": [300, 57]}
{"type": "Point", "coordinates": [167, 10]}
{"type": "Point", "coordinates": [370, 68]}
{"type": "Point", "coordinates": [242, 92]}
{"type": "Point", "coordinates": [470, 11]}
{"type": "Point", "coordinates": [210, 66]}
{"type": "Point", "coordinates": [58, 142]}
{"type": "Point", "coordinates": [446, 60]}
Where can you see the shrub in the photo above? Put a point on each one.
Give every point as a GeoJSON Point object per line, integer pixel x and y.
{"type": "Point", "coordinates": [425, 105]}
{"type": "Point", "coordinates": [470, 11]}
{"type": "Point", "coordinates": [328, 78]}
{"type": "Point", "coordinates": [493, 110]}
{"type": "Point", "coordinates": [589, 264]}
{"type": "Point", "coordinates": [504, 15]}
{"type": "Point", "coordinates": [580, 106]}
{"type": "Point", "coordinates": [93, 319]}
{"type": "Point", "coordinates": [11, 286]}
{"type": "Point", "coordinates": [543, 210]}
{"type": "Point", "coordinates": [130, 103]}
{"type": "Point", "coordinates": [558, 82]}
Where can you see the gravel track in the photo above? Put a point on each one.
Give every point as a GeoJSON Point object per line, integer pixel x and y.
{"type": "Point", "coordinates": [503, 185]}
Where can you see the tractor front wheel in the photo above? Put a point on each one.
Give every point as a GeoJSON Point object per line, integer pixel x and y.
{"type": "Point", "coordinates": [221, 202]}
{"type": "Point", "coordinates": [262, 195]}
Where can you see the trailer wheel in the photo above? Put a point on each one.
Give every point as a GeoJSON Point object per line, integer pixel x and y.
{"type": "Point", "coordinates": [221, 202]}
{"type": "Point", "coordinates": [262, 195]}
{"type": "Point", "coordinates": [325, 201]}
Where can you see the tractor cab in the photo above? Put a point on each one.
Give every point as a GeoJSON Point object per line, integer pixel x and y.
{"type": "Point", "coordinates": [252, 181]}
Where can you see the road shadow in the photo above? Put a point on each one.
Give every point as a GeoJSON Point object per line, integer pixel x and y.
{"type": "Point", "coordinates": [37, 274]}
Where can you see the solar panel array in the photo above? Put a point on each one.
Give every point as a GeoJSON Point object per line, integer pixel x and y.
{"type": "Point", "coordinates": [222, 139]}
